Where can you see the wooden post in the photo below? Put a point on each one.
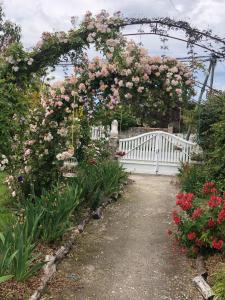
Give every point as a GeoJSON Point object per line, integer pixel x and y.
{"type": "Point", "coordinates": [203, 287]}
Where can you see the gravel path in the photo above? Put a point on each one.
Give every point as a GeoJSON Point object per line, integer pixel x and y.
{"type": "Point", "coordinates": [128, 255]}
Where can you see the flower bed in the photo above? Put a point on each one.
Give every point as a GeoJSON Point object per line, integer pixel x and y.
{"type": "Point", "coordinates": [200, 220]}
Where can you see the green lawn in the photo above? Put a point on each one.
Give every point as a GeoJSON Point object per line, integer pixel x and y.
{"type": "Point", "coordinates": [5, 214]}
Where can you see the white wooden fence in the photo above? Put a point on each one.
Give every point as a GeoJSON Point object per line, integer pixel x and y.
{"type": "Point", "coordinates": [98, 132]}
{"type": "Point", "coordinates": [155, 153]}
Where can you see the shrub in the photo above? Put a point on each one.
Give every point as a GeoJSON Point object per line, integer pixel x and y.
{"type": "Point", "coordinates": [56, 208]}
{"type": "Point", "coordinates": [99, 180]}
{"type": "Point", "coordinates": [16, 251]}
{"type": "Point", "coordinates": [219, 283]}
{"type": "Point", "coordinates": [192, 177]}
{"type": "Point", "coordinates": [201, 219]}
{"type": "Point", "coordinates": [45, 218]}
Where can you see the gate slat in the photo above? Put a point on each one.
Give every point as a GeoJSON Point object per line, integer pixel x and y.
{"type": "Point", "coordinates": [163, 149]}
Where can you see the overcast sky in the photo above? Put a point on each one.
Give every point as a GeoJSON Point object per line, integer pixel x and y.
{"type": "Point", "coordinates": [36, 16]}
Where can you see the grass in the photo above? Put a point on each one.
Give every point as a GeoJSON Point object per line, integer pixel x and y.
{"type": "Point", "coordinates": [5, 214]}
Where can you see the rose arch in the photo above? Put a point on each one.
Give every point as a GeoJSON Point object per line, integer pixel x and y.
{"type": "Point", "coordinates": [125, 74]}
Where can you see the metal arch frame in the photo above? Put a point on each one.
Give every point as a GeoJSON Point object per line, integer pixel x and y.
{"type": "Point", "coordinates": [218, 54]}
{"type": "Point", "coordinates": [175, 25]}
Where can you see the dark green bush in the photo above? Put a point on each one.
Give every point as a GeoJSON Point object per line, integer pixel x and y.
{"type": "Point", "coordinates": [192, 177]}
{"type": "Point", "coordinates": [56, 208]}
{"type": "Point", "coordinates": [16, 250]}
{"type": "Point", "coordinates": [100, 180]}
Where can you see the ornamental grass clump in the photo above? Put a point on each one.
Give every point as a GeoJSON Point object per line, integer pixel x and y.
{"type": "Point", "coordinates": [17, 258]}
{"type": "Point", "coordinates": [56, 209]}
{"type": "Point", "coordinates": [99, 180]}
{"type": "Point", "coordinates": [200, 220]}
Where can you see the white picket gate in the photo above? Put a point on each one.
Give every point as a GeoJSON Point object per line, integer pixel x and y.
{"type": "Point", "coordinates": [99, 132]}
{"type": "Point", "coordinates": [155, 152]}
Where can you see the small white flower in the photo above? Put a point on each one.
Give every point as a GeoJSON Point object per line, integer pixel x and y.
{"type": "Point", "coordinates": [30, 61]}
{"type": "Point", "coordinates": [27, 169]}
{"type": "Point", "coordinates": [48, 137]}
{"type": "Point", "coordinates": [15, 68]}
{"type": "Point", "coordinates": [14, 194]}
{"type": "Point", "coordinates": [62, 131]}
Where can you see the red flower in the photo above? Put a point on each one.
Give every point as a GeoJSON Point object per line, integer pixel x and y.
{"type": "Point", "coordinates": [180, 196]}
{"type": "Point", "coordinates": [207, 187]}
{"type": "Point", "coordinates": [214, 190]}
{"type": "Point", "coordinates": [176, 218]}
{"type": "Point", "coordinates": [196, 213]}
{"type": "Point", "coordinates": [199, 243]}
{"type": "Point", "coordinates": [211, 223]}
{"type": "Point", "coordinates": [215, 201]}
{"type": "Point", "coordinates": [191, 236]}
{"type": "Point", "coordinates": [221, 216]}
{"type": "Point", "coordinates": [185, 200]}
{"type": "Point", "coordinates": [217, 244]}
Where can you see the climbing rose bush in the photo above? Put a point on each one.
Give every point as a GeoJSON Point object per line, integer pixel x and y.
{"type": "Point", "coordinates": [132, 76]}
{"type": "Point", "coordinates": [200, 220]}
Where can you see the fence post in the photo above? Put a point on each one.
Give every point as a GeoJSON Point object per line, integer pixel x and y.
{"type": "Point", "coordinates": [114, 139]}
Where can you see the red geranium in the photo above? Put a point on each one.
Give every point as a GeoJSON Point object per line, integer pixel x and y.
{"type": "Point", "coordinates": [207, 187]}
{"type": "Point", "coordinates": [176, 218]}
{"type": "Point", "coordinates": [211, 223]}
{"type": "Point", "coordinates": [185, 200]}
{"type": "Point", "coordinates": [215, 201]}
{"type": "Point", "coordinates": [221, 216]}
{"type": "Point", "coordinates": [196, 213]}
{"type": "Point", "coordinates": [191, 236]}
{"type": "Point", "coordinates": [217, 244]}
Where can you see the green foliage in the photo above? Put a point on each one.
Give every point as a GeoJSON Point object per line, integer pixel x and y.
{"type": "Point", "coordinates": [5, 278]}
{"type": "Point", "coordinates": [43, 218]}
{"type": "Point", "coordinates": [210, 113]}
{"type": "Point", "coordinates": [216, 157]}
{"type": "Point", "coordinates": [5, 213]}
{"type": "Point", "coordinates": [122, 113]}
{"type": "Point", "coordinates": [96, 151]}
{"type": "Point", "coordinates": [16, 251]}
{"type": "Point", "coordinates": [10, 32]}
{"type": "Point", "coordinates": [100, 180]}
{"type": "Point", "coordinates": [55, 209]}
{"type": "Point", "coordinates": [192, 177]}
{"type": "Point", "coordinates": [212, 136]}
{"type": "Point", "coordinates": [3, 188]}
{"type": "Point", "coordinates": [219, 283]}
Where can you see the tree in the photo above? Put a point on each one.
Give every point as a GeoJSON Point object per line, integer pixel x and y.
{"type": "Point", "coordinates": [9, 32]}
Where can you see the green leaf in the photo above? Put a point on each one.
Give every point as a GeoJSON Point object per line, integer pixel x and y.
{"type": "Point", "coordinates": [5, 278]}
